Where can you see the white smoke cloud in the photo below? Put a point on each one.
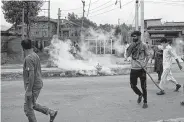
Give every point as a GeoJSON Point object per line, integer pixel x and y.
{"type": "Point", "coordinates": [61, 57]}
{"type": "Point", "coordinates": [178, 46]}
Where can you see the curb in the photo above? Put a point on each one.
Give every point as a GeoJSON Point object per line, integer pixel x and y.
{"type": "Point", "coordinates": [73, 73]}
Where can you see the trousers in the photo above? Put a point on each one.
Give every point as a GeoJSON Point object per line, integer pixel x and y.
{"type": "Point", "coordinates": [30, 105]}
{"type": "Point", "coordinates": [167, 76]}
{"type": "Point", "coordinates": [141, 74]}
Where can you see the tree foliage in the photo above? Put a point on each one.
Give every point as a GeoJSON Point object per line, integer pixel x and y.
{"type": "Point", "coordinates": [106, 27]}
{"type": "Point", "coordinates": [12, 11]}
{"type": "Point", "coordinates": [87, 23]}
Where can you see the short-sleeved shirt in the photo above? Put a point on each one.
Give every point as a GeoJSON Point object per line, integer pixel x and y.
{"type": "Point", "coordinates": [32, 63]}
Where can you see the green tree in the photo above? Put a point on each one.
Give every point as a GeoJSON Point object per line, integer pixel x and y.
{"type": "Point", "coordinates": [124, 31]}
{"type": "Point", "coordinates": [87, 23]}
{"type": "Point", "coordinates": [106, 27]}
{"type": "Point", "coordinates": [12, 11]}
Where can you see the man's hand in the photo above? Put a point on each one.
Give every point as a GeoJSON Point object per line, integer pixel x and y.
{"type": "Point", "coordinates": [28, 94]}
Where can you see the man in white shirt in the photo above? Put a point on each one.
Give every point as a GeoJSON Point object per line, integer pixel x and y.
{"type": "Point", "coordinates": [168, 54]}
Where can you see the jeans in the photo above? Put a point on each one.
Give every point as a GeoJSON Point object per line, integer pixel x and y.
{"type": "Point", "coordinates": [134, 75]}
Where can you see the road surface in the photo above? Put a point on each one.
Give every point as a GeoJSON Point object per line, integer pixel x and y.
{"type": "Point", "coordinates": [93, 99]}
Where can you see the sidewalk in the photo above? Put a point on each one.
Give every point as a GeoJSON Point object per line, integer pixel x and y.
{"type": "Point", "coordinates": [10, 72]}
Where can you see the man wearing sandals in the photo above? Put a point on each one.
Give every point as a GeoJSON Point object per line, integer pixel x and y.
{"type": "Point", "coordinates": [168, 54]}
{"type": "Point", "coordinates": [33, 83]}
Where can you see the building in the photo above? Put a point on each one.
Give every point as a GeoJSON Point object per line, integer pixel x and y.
{"type": "Point", "coordinates": [7, 45]}
{"type": "Point", "coordinates": [70, 30]}
{"type": "Point", "coordinates": [152, 22]}
{"type": "Point", "coordinates": [173, 31]}
{"type": "Point", "coordinates": [157, 30]}
{"type": "Point", "coordinates": [41, 34]}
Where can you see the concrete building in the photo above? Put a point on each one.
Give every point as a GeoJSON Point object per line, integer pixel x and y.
{"type": "Point", "coordinates": [174, 31]}
{"type": "Point", "coordinates": [41, 34]}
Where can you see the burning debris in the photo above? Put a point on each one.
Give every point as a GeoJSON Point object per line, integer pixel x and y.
{"type": "Point", "coordinates": [73, 56]}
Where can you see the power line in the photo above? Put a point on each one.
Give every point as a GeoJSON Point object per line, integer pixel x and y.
{"type": "Point", "coordinates": [80, 7]}
{"type": "Point", "coordinates": [97, 7]}
{"type": "Point", "coordinates": [89, 8]}
{"type": "Point", "coordinates": [134, 15]}
{"type": "Point", "coordinates": [104, 8]}
{"type": "Point", "coordinates": [112, 9]}
{"type": "Point", "coordinates": [130, 14]}
{"type": "Point", "coordinates": [173, 1]}
{"type": "Point", "coordinates": [163, 2]}
{"type": "Point", "coordinates": [101, 5]}
{"type": "Point", "coordinates": [104, 12]}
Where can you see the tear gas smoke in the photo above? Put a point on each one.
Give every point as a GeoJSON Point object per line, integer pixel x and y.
{"type": "Point", "coordinates": [178, 46]}
{"type": "Point", "coordinates": [61, 56]}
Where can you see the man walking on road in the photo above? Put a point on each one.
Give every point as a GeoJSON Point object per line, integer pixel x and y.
{"type": "Point", "coordinates": [168, 54]}
{"type": "Point", "coordinates": [33, 83]}
{"type": "Point", "coordinates": [139, 53]}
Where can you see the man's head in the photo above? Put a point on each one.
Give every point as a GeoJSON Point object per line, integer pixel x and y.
{"type": "Point", "coordinates": [164, 42]}
{"type": "Point", "coordinates": [26, 44]}
{"type": "Point", "coordinates": [136, 35]}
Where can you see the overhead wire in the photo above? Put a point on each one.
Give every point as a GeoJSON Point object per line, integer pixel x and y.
{"type": "Point", "coordinates": [89, 8]}
{"type": "Point", "coordinates": [166, 2]}
{"type": "Point", "coordinates": [79, 7]}
{"type": "Point", "coordinates": [112, 9]}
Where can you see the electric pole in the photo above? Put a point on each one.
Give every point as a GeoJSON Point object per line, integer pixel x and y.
{"type": "Point", "coordinates": [119, 3]}
{"type": "Point", "coordinates": [142, 20]}
{"type": "Point", "coordinates": [83, 3]}
{"type": "Point", "coordinates": [49, 19]}
{"type": "Point", "coordinates": [23, 24]}
{"type": "Point", "coordinates": [136, 15]}
{"type": "Point", "coordinates": [82, 36]}
{"type": "Point", "coordinates": [22, 56]}
{"type": "Point", "coordinates": [59, 15]}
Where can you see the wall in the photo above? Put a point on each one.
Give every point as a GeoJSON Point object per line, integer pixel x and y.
{"type": "Point", "coordinates": [14, 46]}
{"type": "Point", "coordinates": [153, 22]}
{"type": "Point", "coordinates": [4, 44]}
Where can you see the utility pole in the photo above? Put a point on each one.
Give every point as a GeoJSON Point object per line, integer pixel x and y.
{"type": "Point", "coordinates": [118, 21]}
{"type": "Point", "coordinates": [49, 19]}
{"type": "Point", "coordinates": [119, 3]}
{"type": "Point", "coordinates": [136, 15]}
{"type": "Point", "coordinates": [121, 27]}
{"type": "Point", "coordinates": [82, 36]}
{"type": "Point", "coordinates": [22, 52]}
{"type": "Point", "coordinates": [23, 24]}
{"type": "Point", "coordinates": [83, 3]}
{"type": "Point", "coordinates": [59, 15]}
{"type": "Point", "coordinates": [142, 20]}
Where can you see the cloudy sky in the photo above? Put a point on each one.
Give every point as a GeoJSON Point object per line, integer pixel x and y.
{"type": "Point", "coordinates": [105, 11]}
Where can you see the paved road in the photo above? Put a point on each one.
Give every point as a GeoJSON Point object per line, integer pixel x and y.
{"type": "Point", "coordinates": [93, 99]}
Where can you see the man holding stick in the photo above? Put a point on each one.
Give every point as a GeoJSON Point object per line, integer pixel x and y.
{"type": "Point", "coordinates": [139, 53]}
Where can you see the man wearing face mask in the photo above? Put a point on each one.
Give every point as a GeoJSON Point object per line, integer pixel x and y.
{"type": "Point", "coordinates": [139, 53]}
